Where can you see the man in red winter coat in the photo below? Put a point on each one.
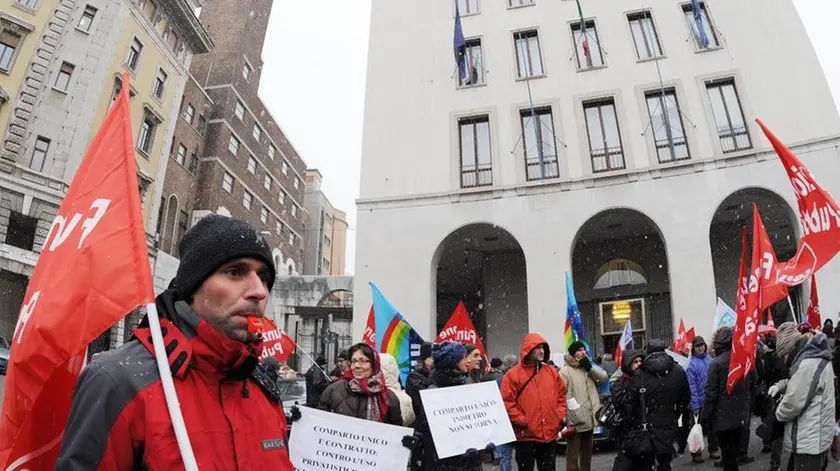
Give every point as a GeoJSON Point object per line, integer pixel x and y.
{"type": "Point", "coordinates": [119, 419]}
{"type": "Point", "coordinates": [535, 399]}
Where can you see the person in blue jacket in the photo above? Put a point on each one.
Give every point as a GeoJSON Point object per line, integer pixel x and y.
{"type": "Point", "coordinates": [698, 368]}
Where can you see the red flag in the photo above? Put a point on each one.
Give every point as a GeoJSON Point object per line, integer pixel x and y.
{"type": "Point", "coordinates": [814, 319]}
{"type": "Point", "coordinates": [369, 337]}
{"type": "Point", "coordinates": [689, 340]}
{"type": "Point", "coordinates": [736, 357]}
{"type": "Point", "coordinates": [93, 270]}
{"type": "Point", "coordinates": [771, 292]}
{"type": "Point", "coordinates": [679, 344]}
{"type": "Point", "coordinates": [744, 338]}
{"type": "Point", "coordinates": [819, 217]}
{"type": "Point", "coordinates": [460, 329]}
{"type": "Point", "coordinates": [276, 342]}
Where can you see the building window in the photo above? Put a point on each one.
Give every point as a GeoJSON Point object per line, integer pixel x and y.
{"type": "Point", "coordinates": [193, 163]}
{"type": "Point", "coordinates": [182, 154]}
{"type": "Point", "coordinates": [201, 125]}
{"type": "Point", "coordinates": [468, 7]}
{"type": "Point", "coordinates": [21, 230]}
{"type": "Point", "coordinates": [39, 154]}
{"type": "Point", "coordinates": [729, 117]}
{"type": "Point", "coordinates": [8, 45]}
{"type": "Point", "coordinates": [476, 163]}
{"type": "Point", "coordinates": [278, 228]}
{"type": "Point", "coordinates": [183, 217]}
{"type": "Point", "coordinates": [28, 4]}
{"type": "Point", "coordinates": [86, 20]}
{"type": "Point", "coordinates": [619, 272]}
{"type": "Point", "coordinates": [240, 110]}
{"type": "Point", "coordinates": [538, 141]}
{"type": "Point", "coordinates": [604, 137]}
{"type": "Point", "coordinates": [233, 145]}
{"type": "Point", "coordinates": [147, 134]}
{"type": "Point", "coordinates": [282, 197]}
{"type": "Point", "coordinates": [587, 45]}
{"type": "Point", "coordinates": [134, 52]}
{"type": "Point", "coordinates": [326, 240]}
{"type": "Point", "coordinates": [246, 71]}
{"type": "Point", "coordinates": [701, 27]}
{"type": "Point", "coordinates": [667, 125]}
{"type": "Point", "coordinates": [257, 133]}
{"type": "Point", "coordinates": [475, 64]}
{"type": "Point", "coordinates": [189, 113]}
{"type": "Point", "coordinates": [264, 215]}
{"type": "Point", "coordinates": [297, 183]}
{"type": "Point", "coordinates": [529, 60]}
{"type": "Point", "coordinates": [285, 168]}
{"type": "Point", "coordinates": [292, 239]}
{"type": "Point", "coordinates": [62, 80]}
{"type": "Point", "coordinates": [252, 165]}
{"type": "Point", "coordinates": [267, 182]}
{"type": "Point", "coordinates": [160, 85]}
{"type": "Point", "coordinates": [644, 35]}
{"type": "Point", "coordinates": [227, 182]}
{"type": "Point", "coordinates": [271, 151]}
{"type": "Point", "coordinates": [294, 211]}
{"type": "Point", "coordinates": [246, 199]}
{"type": "Point", "coordinates": [521, 3]}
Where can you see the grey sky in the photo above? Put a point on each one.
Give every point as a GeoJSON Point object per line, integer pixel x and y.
{"type": "Point", "coordinates": [314, 83]}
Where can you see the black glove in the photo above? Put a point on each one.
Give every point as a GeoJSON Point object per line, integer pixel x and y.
{"type": "Point", "coordinates": [585, 364]}
{"type": "Point", "coordinates": [410, 442]}
{"type": "Point", "coordinates": [490, 448]}
{"type": "Point", "coordinates": [471, 453]}
{"type": "Point", "coordinates": [294, 416]}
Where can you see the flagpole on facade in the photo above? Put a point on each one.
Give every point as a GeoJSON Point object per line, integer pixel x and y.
{"type": "Point", "coordinates": [528, 71]}
{"type": "Point", "coordinates": [169, 393]}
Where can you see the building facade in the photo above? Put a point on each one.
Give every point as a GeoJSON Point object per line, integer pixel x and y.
{"type": "Point", "coordinates": [228, 154]}
{"type": "Point", "coordinates": [326, 236]}
{"type": "Point", "coordinates": [562, 150]}
{"type": "Point", "coordinates": [61, 64]}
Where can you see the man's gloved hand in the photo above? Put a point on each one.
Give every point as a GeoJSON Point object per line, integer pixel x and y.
{"type": "Point", "coordinates": [471, 453]}
{"type": "Point", "coordinates": [490, 448]}
{"type": "Point", "coordinates": [773, 391]}
{"type": "Point", "coordinates": [410, 442]}
{"type": "Point", "coordinates": [294, 416]}
{"type": "Point", "coordinates": [585, 363]}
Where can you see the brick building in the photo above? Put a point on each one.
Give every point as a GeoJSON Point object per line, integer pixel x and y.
{"type": "Point", "coordinates": [230, 156]}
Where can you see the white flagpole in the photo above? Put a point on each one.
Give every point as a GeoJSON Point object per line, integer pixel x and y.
{"type": "Point", "coordinates": [169, 393]}
{"type": "Point", "coordinates": [313, 360]}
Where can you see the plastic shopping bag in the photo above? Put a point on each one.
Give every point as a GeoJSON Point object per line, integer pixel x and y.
{"type": "Point", "coordinates": [695, 439]}
{"type": "Point", "coordinates": [835, 444]}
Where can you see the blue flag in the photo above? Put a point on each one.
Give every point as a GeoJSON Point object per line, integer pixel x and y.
{"type": "Point", "coordinates": [574, 322]}
{"type": "Point", "coordinates": [460, 47]}
{"type": "Point", "coordinates": [394, 335]}
{"type": "Point", "coordinates": [698, 19]}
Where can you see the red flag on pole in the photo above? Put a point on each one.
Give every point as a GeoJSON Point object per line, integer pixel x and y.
{"type": "Point", "coordinates": [276, 342]}
{"type": "Point", "coordinates": [814, 319]}
{"type": "Point", "coordinates": [736, 357]}
{"type": "Point", "coordinates": [744, 338]}
{"type": "Point", "coordinates": [679, 344]}
{"type": "Point", "coordinates": [819, 217]}
{"type": "Point", "coordinates": [460, 329]}
{"type": "Point", "coordinates": [369, 336]}
{"type": "Point", "coordinates": [93, 270]}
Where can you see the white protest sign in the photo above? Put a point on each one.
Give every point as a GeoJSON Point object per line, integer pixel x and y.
{"type": "Point", "coordinates": [324, 441]}
{"type": "Point", "coordinates": [464, 417]}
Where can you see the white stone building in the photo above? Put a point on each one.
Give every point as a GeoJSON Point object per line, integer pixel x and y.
{"type": "Point", "coordinates": [453, 204]}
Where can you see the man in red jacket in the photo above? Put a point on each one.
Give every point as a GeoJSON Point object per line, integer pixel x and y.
{"type": "Point", "coordinates": [535, 399]}
{"type": "Point", "coordinates": [119, 419]}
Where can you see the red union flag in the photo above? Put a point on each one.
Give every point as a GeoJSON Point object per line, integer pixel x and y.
{"type": "Point", "coordinates": [771, 292]}
{"type": "Point", "coordinates": [460, 329]}
{"type": "Point", "coordinates": [93, 270]}
{"type": "Point", "coordinates": [369, 336]}
{"type": "Point", "coordinates": [736, 357]}
{"type": "Point", "coordinates": [684, 340]}
{"type": "Point", "coordinates": [814, 319]}
{"type": "Point", "coordinates": [276, 343]}
{"type": "Point", "coordinates": [819, 217]}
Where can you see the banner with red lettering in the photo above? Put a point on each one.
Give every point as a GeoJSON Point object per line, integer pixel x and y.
{"type": "Point", "coordinates": [814, 319]}
{"type": "Point", "coordinates": [276, 342]}
{"type": "Point", "coordinates": [460, 329]}
{"type": "Point", "coordinates": [93, 270]}
{"type": "Point", "coordinates": [369, 337]}
{"type": "Point", "coordinates": [819, 217]}
{"type": "Point", "coordinates": [771, 292]}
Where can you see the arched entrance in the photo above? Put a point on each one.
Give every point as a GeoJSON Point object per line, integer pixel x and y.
{"type": "Point", "coordinates": [483, 265]}
{"type": "Point", "coordinates": [734, 212]}
{"type": "Point", "coordinates": [620, 272]}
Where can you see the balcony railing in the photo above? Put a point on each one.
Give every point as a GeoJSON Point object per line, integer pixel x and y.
{"type": "Point", "coordinates": [550, 168]}
{"type": "Point", "coordinates": [476, 175]}
{"type": "Point", "coordinates": [604, 160]}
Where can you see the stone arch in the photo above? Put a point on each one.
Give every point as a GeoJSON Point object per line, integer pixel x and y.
{"type": "Point", "coordinates": [483, 265]}
{"type": "Point", "coordinates": [629, 235]}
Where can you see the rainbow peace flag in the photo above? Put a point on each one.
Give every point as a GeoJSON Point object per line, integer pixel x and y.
{"type": "Point", "coordinates": [394, 335]}
{"type": "Point", "coordinates": [574, 322]}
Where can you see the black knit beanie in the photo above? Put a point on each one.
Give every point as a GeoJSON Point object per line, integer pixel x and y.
{"type": "Point", "coordinates": [212, 242]}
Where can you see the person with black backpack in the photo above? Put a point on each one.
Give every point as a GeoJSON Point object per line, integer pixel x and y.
{"type": "Point", "coordinates": [613, 415]}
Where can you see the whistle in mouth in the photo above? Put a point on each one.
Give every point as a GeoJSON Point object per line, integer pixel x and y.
{"type": "Point", "coordinates": [255, 326]}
